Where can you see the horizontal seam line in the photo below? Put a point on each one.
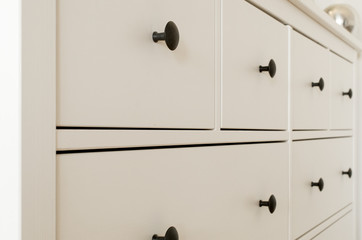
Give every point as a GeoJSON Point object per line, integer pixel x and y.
{"type": "Point", "coordinates": [95, 150]}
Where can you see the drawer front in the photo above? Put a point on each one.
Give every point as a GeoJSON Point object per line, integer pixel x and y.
{"type": "Point", "coordinates": [112, 74]}
{"type": "Point", "coordinates": [311, 161]}
{"type": "Point", "coordinates": [309, 64]}
{"type": "Point", "coordinates": [342, 229]}
{"type": "Point", "coordinates": [206, 193]}
{"type": "Point", "coordinates": [253, 99]}
{"type": "Point", "coordinates": [341, 93]}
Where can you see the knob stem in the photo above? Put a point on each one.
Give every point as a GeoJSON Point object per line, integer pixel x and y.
{"type": "Point", "coordinates": [271, 204]}
{"type": "Point", "coordinates": [271, 68]}
{"type": "Point", "coordinates": [319, 84]}
{"type": "Point", "coordinates": [319, 184]}
{"type": "Point", "coordinates": [171, 234]}
{"type": "Point", "coordinates": [348, 173]}
{"type": "Point", "coordinates": [158, 36]}
{"type": "Point", "coordinates": [263, 68]}
{"type": "Point", "coordinates": [171, 36]}
{"type": "Point", "coordinates": [154, 237]}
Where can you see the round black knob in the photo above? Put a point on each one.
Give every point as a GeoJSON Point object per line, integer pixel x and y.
{"type": "Point", "coordinates": [271, 204]}
{"type": "Point", "coordinates": [319, 184]}
{"type": "Point", "coordinates": [349, 93]}
{"type": "Point", "coordinates": [171, 234]}
{"type": "Point", "coordinates": [170, 35]}
{"type": "Point", "coordinates": [319, 84]}
{"type": "Point", "coordinates": [349, 173]}
{"type": "Point", "coordinates": [271, 68]}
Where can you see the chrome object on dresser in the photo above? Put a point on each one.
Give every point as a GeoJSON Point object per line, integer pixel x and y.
{"type": "Point", "coordinates": [344, 15]}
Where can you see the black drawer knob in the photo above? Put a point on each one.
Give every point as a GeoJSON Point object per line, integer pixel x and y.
{"type": "Point", "coordinates": [171, 234]}
{"type": "Point", "coordinates": [319, 184]}
{"type": "Point", "coordinates": [271, 204]}
{"type": "Point", "coordinates": [349, 173]}
{"type": "Point", "coordinates": [271, 68]}
{"type": "Point", "coordinates": [170, 35]}
{"type": "Point", "coordinates": [319, 84]}
{"type": "Point", "coordinates": [349, 93]}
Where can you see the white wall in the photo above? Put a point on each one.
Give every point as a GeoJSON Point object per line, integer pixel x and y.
{"type": "Point", "coordinates": [10, 115]}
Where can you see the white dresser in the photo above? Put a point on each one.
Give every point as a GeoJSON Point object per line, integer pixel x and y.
{"type": "Point", "coordinates": [221, 119]}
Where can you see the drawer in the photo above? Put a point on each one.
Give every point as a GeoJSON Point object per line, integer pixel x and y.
{"type": "Point", "coordinates": [341, 93]}
{"type": "Point", "coordinates": [253, 99]}
{"type": "Point", "coordinates": [204, 192]}
{"type": "Point", "coordinates": [311, 161]}
{"type": "Point", "coordinates": [342, 229]}
{"type": "Point", "coordinates": [110, 72]}
{"type": "Point", "coordinates": [309, 64]}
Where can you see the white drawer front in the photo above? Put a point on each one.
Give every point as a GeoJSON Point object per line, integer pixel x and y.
{"type": "Point", "coordinates": [309, 64]}
{"type": "Point", "coordinates": [112, 74]}
{"type": "Point", "coordinates": [253, 99]}
{"type": "Point", "coordinates": [341, 116]}
{"type": "Point", "coordinates": [341, 230]}
{"type": "Point", "coordinates": [206, 193]}
{"type": "Point", "coordinates": [312, 160]}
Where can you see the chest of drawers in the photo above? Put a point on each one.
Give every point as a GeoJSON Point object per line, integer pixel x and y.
{"type": "Point", "coordinates": [206, 119]}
